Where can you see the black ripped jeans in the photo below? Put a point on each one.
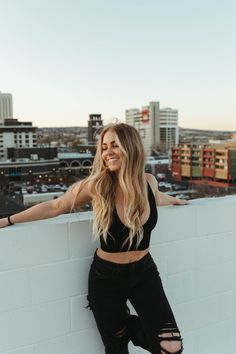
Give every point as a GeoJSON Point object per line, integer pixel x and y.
{"type": "Point", "coordinates": [110, 286]}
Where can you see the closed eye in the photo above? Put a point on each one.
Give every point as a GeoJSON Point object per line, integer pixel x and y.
{"type": "Point", "coordinates": [104, 147]}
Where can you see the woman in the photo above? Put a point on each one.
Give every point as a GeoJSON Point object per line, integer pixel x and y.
{"type": "Point", "coordinates": [124, 200]}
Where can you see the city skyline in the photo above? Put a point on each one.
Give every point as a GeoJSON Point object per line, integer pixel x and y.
{"type": "Point", "coordinates": [62, 60]}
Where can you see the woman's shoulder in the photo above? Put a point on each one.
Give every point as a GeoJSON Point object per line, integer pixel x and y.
{"type": "Point", "coordinates": [152, 182]}
{"type": "Point", "coordinates": [81, 191]}
{"type": "Point", "coordinates": [151, 179]}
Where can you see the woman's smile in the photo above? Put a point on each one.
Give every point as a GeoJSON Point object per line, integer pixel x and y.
{"type": "Point", "coordinates": [111, 152]}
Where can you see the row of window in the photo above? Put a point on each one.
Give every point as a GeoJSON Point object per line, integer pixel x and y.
{"type": "Point", "coordinates": [18, 135]}
{"type": "Point", "coordinates": [22, 136]}
{"type": "Point", "coordinates": [20, 141]}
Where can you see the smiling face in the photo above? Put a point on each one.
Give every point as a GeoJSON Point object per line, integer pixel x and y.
{"type": "Point", "coordinates": [111, 151]}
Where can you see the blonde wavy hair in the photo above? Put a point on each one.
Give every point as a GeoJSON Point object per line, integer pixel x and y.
{"type": "Point", "coordinates": [102, 184]}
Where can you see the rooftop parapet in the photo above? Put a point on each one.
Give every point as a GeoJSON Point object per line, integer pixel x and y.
{"type": "Point", "coordinates": [44, 268]}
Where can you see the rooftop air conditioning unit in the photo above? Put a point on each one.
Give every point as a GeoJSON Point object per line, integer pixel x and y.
{"type": "Point", "coordinates": [34, 157]}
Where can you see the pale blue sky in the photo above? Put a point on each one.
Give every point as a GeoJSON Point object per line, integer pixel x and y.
{"type": "Point", "coordinates": [64, 59]}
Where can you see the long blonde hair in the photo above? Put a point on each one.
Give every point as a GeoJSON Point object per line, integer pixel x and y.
{"type": "Point", "coordinates": [102, 184]}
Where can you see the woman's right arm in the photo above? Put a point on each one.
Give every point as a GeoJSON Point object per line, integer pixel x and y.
{"type": "Point", "coordinates": [52, 208]}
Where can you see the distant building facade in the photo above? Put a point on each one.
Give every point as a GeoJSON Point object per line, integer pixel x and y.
{"type": "Point", "coordinates": [213, 164]}
{"type": "Point", "coordinates": [27, 170]}
{"type": "Point", "coordinates": [15, 134]}
{"type": "Point", "coordinates": [95, 123]}
{"type": "Point", "coordinates": [6, 107]}
{"type": "Point", "coordinates": [33, 153]}
{"type": "Point", "coordinates": [157, 127]}
{"type": "Point", "coordinates": [75, 160]}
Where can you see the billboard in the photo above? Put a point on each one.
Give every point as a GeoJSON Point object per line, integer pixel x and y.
{"type": "Point", "coordinates": [145, 114]}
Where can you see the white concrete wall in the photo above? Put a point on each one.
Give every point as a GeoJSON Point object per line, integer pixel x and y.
{"type": "Point", "coordinates": [43, 280]}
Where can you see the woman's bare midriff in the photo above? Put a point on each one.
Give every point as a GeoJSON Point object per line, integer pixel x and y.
{"type": "Point", "coordinates": [122, 257]}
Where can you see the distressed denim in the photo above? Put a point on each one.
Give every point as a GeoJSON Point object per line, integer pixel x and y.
{"type": "Point", "coordinates": [110, 286]}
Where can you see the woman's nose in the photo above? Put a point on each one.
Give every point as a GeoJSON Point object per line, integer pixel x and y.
{"type": "Point", "coordinates": [109, 150]}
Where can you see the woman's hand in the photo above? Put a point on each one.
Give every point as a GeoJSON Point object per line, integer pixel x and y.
{"type": "Point", "coordinates": [165, 199]}
{"type": "Point", "coordinates": [181, 202]}
{"type": "Point", "coordinates": [4, 222]}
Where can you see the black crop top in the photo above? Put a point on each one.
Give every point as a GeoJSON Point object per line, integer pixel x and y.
{"type": "Point", "coordinates": [118, 232]}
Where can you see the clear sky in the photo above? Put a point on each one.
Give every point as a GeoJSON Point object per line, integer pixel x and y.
{"type": "Point", "coordinates": [65, 59]}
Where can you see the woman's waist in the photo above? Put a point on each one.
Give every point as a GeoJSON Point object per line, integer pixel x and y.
{"type": "Point", "coordinates": [122, 257]}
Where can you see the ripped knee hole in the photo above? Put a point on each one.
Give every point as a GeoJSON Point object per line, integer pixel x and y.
{"type": "Point", "coordinates": [170, 340]}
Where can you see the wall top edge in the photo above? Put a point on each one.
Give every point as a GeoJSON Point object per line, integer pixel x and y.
{"type": "Point", "coordinates": [88, 215]}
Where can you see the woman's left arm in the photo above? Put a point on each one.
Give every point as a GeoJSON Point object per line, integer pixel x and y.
{"type": "Point", "coordinates": [163, 198]}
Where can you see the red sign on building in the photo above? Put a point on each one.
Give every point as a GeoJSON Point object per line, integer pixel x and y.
{"type": "Point", "coordinates": [145, 116]}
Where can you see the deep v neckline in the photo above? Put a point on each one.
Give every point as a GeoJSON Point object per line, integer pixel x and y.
{"type": "Point", "coordinates": [144, 224]}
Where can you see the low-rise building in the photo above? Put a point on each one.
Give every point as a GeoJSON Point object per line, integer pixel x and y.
{"type": "Point", "coordinates": [15, 134]}
{"type": "Point", "coordinates": [205, 163]}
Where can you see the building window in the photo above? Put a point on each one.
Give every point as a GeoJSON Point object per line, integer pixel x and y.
{"type": "Point", "coordinates": [13, 171]}
{"type": "Point", "coordinates": [142, 133]}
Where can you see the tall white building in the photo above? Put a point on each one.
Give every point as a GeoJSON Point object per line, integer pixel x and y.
{"type": "Point", "coordinates": [6, 108]}
{"type": "Point", "coordinates": [169, 130]}
{"type": "Point", "coordinates": [157, 127]}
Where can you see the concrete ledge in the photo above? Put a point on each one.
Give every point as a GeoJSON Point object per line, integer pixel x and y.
{"type": "Point", "coordinates": [43, 280]}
